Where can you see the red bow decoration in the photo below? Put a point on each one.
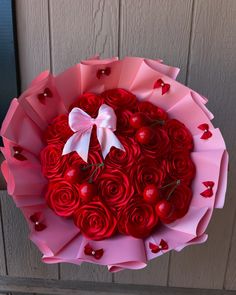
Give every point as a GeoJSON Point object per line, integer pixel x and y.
{"type": "Point", "coordinates": [17, 153]}
{"type": "Point", "coordinates": [209, 191]}
{"type": "Point", "coordinates": [164, 86]}
{"type": "Point", "coordinates": [42, 96]}
{"type": "Point", "coordinates": [157, 248]}
{"type": "Point", "coordinates": [206, 134]}
{"type": "Point", "coordinates": [38, 225]}
{"type": "Point", "coordinates": [102, 72]}
{"type": "Point", "coordinates": [97, 254]}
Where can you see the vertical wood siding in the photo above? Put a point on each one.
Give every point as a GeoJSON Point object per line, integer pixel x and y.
{"type": "Point", "coordinates": [199, 36]}
{"type": "Point", "coordinates": [212, 72]}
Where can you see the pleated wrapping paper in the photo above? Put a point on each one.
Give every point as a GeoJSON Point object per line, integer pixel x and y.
{"type": "Point", "coordinates": [27, 118]}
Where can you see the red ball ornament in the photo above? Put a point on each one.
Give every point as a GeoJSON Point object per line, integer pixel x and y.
{"type": "Point", "coordinates": [144, 135]}
{"type": "Point", "coordinates": [151, 194]}
{"type": "Point", "coordinates": [163, 208]}
{"type": "Point", "coordinates": [73, 174]}
{"type": "Point", "coordinates": [138, 120]}
{"type": "Point", "coordinates": [87, 191]}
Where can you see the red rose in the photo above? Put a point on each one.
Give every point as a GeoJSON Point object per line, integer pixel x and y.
{"type": "Point", "coordinates": [180, 201]}
{"type": "Point", "coordinates": [123, 126]}
{"type": "Point", "coordinates": [52, 161]}
{"type": "Point", "coordinates": [180, 166]}
{"type": "Point", "coordinates": [159, 146]}
{"type": "Point", "coordinates": [179, 135]}
{"type": "Point", "coordinates": [88, 102]}
{"type": "Point", "coordinates": [58, 130]}
{"type": "Point", "coordinates": [115, 189]}
{"type": "Point", "coordinates": [152, 111]}
{"type": "Point", "coordinates": [137, 219]}
{"type": "Point", "coordinates": [95, 221]}
{"type": "Point", "coordinates": [123, 159]}
{"type": "Point", "coordinates": [62, 197]}
{"type": "Point", "coordinates": [147, 171]}
{"type": "Point", "coordinates": [120, 98]}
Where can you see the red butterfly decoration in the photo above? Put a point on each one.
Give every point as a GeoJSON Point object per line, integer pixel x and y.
{"type": "Point", "coordinates": [97, 254]}
{"type": "Point", "coordinates": [209, 191]}
{"type": "Point", "coordinates": [164, 86]}
{"type": "Point", "coordinates": [17, 153]}
{"type": "Point", "coordinates": [42, 96]}
{"type": "Point", "coordinates": [206, 134]}
{"type": "Point", "coordinates": [38, 225]}
{"type": "Point", "coordinates": [157, 248]}
{"type": "Point", "coordinates": [102, 72]}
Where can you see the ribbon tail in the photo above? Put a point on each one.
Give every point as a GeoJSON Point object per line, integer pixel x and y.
{"type": "Point", "coordinates": [107, 139]}
{"type": "Point", "coordinates": [78, 142]}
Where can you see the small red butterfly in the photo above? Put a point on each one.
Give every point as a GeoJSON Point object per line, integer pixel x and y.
{"type": "Point", "coordinates": [157, 248]}
{"type": "Point", "coordinates": [206, 134]}
{"type": "Point", "coordinates": [42, 96]}
{"type": "Point", "coordinates": [35, 219]}
{"type": "Point", "coordinates": [164, 86]}
{"type": "Point", "coordinates": [209, 191]}
{"type": "Point", "coordinates": [103, 72]}
{"type": "Point", "coordinates": [97, 254]}
{"type": "Point", "coordinates": [17, 153]}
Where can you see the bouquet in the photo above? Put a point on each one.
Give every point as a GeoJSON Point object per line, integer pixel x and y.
{"type": "Point", "coordinates": [113, 162]}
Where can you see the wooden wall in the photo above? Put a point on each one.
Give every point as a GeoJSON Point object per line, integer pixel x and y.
{"type": "Point", "coordinates": [199, 36]}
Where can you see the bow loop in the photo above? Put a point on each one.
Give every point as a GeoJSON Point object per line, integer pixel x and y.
{"type": "Point", "coordinates": [82, 124]}
{"type": "Point", "coordinates": [78, 118]}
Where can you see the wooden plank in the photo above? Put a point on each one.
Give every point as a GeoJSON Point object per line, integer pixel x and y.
{"type": "Point", "coordinates": [80, 29]}
{"type": "Point", "coordinates": [147, 29]}
{"type": "Point", "coordinates": [85, 272]}
{"type": "Point", "coordinates": [2, 246]}
{"type": "Point", "coordinates": [212, 72]}
{"type": "Point", "coordinates": [154, 274]}
{"type": "Point", "coordinates": [230, 278]}
{"type": "Point", "coordinates": [23, 259]}
{"type": "Point", "coordinates": [156, 29]}
{"type": "Point", "coordinates": [33, 38]}
{"type": "Point", "coordinates": [40, 286]}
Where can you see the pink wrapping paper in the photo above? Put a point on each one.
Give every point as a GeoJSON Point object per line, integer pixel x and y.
{"type": "Point", "coordinates": [61, 240]}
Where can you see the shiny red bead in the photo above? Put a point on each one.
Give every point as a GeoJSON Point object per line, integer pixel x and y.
{"type": "Point", "coordinates": [144, 135]}
{"type": "Point", "coordinates": [138, 120]}
{"type": "Point", "coordinates": [87, 191]}
{"type": "Point", "coordinates": [151, 194]}
{"type": "Point", "coordinates": [163, 208]}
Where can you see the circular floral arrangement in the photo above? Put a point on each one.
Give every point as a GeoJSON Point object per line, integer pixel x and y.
{"type": "Point", "coordinates": [113, 154]}
{"type": "Point", "coordinates": [131, 191]}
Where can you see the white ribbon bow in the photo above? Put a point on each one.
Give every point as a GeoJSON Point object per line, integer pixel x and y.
{"type": "Point", "coordinates": [82, 124]}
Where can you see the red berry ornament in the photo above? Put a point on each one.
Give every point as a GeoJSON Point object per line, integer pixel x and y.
{"type": "Point", "coordinates": [144, 135]}
{"type": "Point", "coordinates": [138, 120]}
{"type": "Point", "coordinates": [151, 194]}
{"type": "Point", "coordinates": [163, 208]}
{"type": "Point", "coordinates": [87, 191]}
{"type": "Point", "coordinates": [73, 174]}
